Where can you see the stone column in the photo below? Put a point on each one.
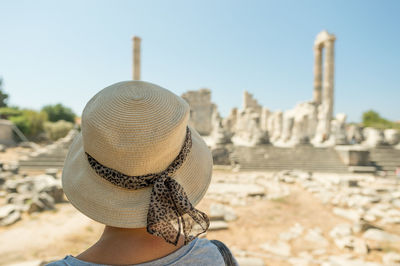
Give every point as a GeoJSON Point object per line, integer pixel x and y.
{"type": "Point", "coordinates": [317, 74]}
{"type": "Point", "coordinates": [136, 58]}
{"type": "Point", "coordinates": [328, 84]}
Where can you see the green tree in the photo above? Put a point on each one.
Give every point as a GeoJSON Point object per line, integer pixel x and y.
{"type": "Point", "coordinates": [30, 122]}
{"type": "Point", "coordinates": [3, 95]}
{"type": "Point", "coordinates": [59, 112]}
{"type": "Point", "coordinates": [7, 112]}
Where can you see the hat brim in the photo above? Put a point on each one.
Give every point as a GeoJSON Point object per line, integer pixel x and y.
{"type": "Point", "coordinates": [119, 207]}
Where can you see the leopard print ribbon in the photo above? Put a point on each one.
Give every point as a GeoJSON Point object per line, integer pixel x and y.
{"type": "Point", "coordinates": [170, 213]}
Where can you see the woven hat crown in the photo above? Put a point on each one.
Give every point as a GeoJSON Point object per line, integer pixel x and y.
{"type": "Point", "coordinates": [134, 127]}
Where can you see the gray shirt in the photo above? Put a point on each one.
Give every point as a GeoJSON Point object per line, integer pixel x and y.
{"type": "Point", "coordinates": [198, 252]}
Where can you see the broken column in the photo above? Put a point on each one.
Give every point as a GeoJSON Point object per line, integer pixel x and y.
{"type": "Point", "coordinates": [265, 116]}
{"type": "Point", "coordinates": [317, 74]}
{"type": "Point", "coordinates": [136, 58]}
{"type": "Point", "coordinates": [329, 77]}
{"type": "Point", "coordinates": [277, 121]}
{"type": "Point", "coordinates": [229, 122]}
{"type": "Point", "coordinates": [339, 129]}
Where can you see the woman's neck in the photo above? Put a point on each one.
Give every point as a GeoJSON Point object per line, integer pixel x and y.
{"type": "Point", "coordinates": [127, 246]}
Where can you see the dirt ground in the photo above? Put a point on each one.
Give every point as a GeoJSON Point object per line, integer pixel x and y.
{"type": "Point", "coordinates": [13, 154]}
{"type": "Point", "coordinates": [54, 234]}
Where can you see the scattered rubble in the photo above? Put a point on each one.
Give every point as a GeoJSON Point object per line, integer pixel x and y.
{"type": "Point", "coordinates": [29, 194]}
{"type": "Point", "coordinates": [368, 203]}
{"type": "Point", "coordinates": [391, 258]}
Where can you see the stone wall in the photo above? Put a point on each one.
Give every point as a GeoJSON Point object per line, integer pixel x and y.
{"type": "Point", "coordinates": [201, 110]}
{"type": "Point", "coordinates": [6, 133]}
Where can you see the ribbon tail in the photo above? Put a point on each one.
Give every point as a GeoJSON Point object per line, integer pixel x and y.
{"type": "Point", "coordinates": [163, 219]}
{"type": "Point", "coordinates": [171, 213]}
{"type": "Point", "coordinates": [194, 222]}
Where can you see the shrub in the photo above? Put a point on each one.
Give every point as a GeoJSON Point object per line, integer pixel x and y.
{"type": "Point", "coordinates": [6, 112]}
{"type": "Point", "coordinates": [59, 129]}
{"type": "Point", "coordinates": [59, 112]}
{"type": "Point", "coordinates": [373, 119]}
{"type": "Point", "coordinates": [22, 123]}
{"type": "Point", "coordinates": [30, 122]}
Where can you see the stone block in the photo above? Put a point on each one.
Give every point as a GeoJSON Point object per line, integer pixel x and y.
{"type": "Point", "coordinates": [11, 218]}
{"type": "Point", "coordinates": [381, 236]}
{"type": "Point", "coordinates": [353, 155]}
{"type": "Point", "coordinates": [218, 225]}
{"type": "Point", "coordinates": [9, 214]}
{"type": "Point", "coordinates": [391, 259]}
{"type": "Point", "coordinates": [280, 248]}
{"type": "Point", "coordinates": [221, 156]}
{"type": "Point", "coordinates": [247, 261]}
{"type": "Point", "coordinates": [222, 212]}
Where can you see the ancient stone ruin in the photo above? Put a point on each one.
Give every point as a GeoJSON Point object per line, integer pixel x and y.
{"type": "Point", "coordinates": [310, 123]}
{"type": "Point", "coordinates": [22, 193]}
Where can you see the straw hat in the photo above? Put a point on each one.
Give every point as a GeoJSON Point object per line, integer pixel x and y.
{"type": "Point", "coordinates": [136, 128]}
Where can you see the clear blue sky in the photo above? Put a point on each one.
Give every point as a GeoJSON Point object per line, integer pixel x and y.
{"type": "Point", "coordinates": [65, 51]}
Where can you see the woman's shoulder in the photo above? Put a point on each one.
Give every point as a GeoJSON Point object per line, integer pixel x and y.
{"type": "Point", "coordinates": [199, 252]}
{"type": "Point", "coordinates": [215, 253]}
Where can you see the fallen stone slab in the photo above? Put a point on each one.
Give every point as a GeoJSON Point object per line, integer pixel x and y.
{"type": "Point", "coordinates": [52, 172]}
{"type": "Point", "coordinates": [246, 261]}
{"type": "Point", "coordinates": [217, 225]}
{"type": "Point", "coordinates": [40, 203]}
{"type": "Point", "coordinates": [319, 252]}
{"type": "Point", "coordinates": [279, 248]}
{"type": "Point", "coordinates": [12, 167]}
{"type": "Point", "coordinates": [221, 156]}
{"type": "Point", "coordinates": [237, 189]}
{"type": "Point", "coordinates": [391, 258]}
{"type": "Point", "coordinates": [344, 261]}
{"type": "Point", "coordinates": [294, 232]}
{"type": "Point", "coordinates": [360, 246]}
{"type": "Point", "coordinates": [222, 212]}
{"type": "Point", "coordinates": [349, 214]}
{"type": "Point", "coordinates": [363, 226]}
{"type": "Point", "coordinates": [11, 186]}
{"type": "Point", "coordinates": [301, 261]}
{"type": "Point", "coordinates": [29, 263]}
{"type": "Point", "coordinates": [396, 203]}
{"type": "Point", "coordinates": [3, 148]}
{"type": "Point", "coordinates": [42, 182]}
{"type": "Point", "coordinates": [380, 235]}
{"type": "Point", "coordinates": [315, 236]}
{"type": "Point", "coordinates": [11, 218]}
{"type": "Point", "coordinates": [362, 169]}
{"type": "Point", "coordinates": [19, 200]}
{"type": "Point", "coordinates": [25, 187]}
{"type": "Point", "coordinates": [341, 230]}
{"type": "Point", "coordinates": [390, 220]}
{"type": "Point", "coordinates": [7, 210]}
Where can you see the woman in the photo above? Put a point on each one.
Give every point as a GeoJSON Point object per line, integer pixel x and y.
{"type": "Point", "coordinates": [138, 168]}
